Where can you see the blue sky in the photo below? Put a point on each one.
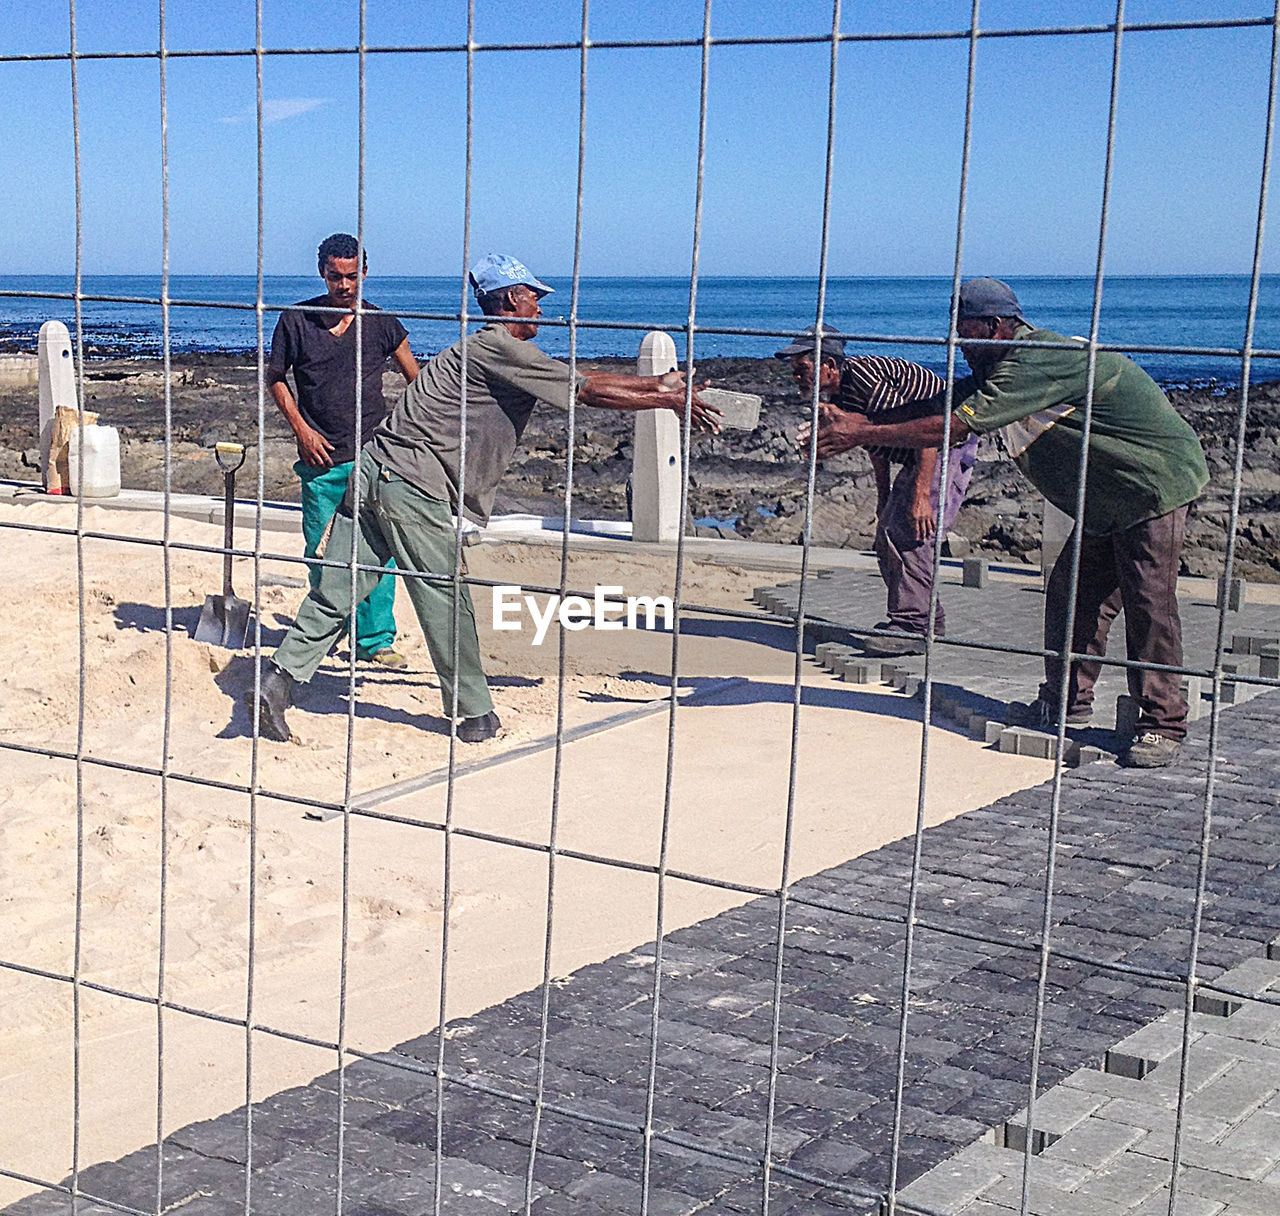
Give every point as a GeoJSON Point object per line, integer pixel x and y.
{"type": "Point", "coordinates": [1188, 156]}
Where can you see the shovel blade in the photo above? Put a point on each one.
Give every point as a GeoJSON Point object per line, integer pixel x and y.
{"type": "Point", "coordinates": [224, 621]}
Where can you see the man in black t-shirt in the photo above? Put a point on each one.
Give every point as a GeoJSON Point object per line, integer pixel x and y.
{"type": "Point", "coordinates": [317, 342]}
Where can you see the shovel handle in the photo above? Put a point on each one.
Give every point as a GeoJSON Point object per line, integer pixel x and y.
{"type": "Point", "coordinates": [225, 453]}
{"type": "Point", "coordinates": [229, 450]}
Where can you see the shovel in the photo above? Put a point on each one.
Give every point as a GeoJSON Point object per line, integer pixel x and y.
{"type": "Point", "coordinates": [225, 618]}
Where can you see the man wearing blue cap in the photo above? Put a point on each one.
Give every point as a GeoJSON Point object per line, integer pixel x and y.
{"type": "Point", "coordinates": [411, 478]}
{"type": "Point", "coordinates": [1145, 467]}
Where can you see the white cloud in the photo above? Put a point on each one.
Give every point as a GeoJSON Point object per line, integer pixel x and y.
{"type": "Point", "coordinates": [277, 109]}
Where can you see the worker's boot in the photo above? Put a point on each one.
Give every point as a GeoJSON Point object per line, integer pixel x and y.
{"type": "Point", "coordinates": [275, 695]}
{"type": "Point", "coordinates": [479, 728]}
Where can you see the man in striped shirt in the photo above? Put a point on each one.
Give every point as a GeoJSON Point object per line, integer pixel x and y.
{"type": "Point", "coordinates": [910, 506]}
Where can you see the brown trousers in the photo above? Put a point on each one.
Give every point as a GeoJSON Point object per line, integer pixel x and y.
{"type": "Point", "coordinates": [1136, 570]}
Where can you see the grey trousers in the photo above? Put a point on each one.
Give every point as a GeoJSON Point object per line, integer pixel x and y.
{"type": "Point", "coordinates": [392, 520]}
{"type": "Point", "coordinates": [1136, 570]}
{"type": "Point", "coordinates": [906, 564]}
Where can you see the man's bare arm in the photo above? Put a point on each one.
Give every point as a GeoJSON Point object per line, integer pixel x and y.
{"type": "Point", "coordinates": [405, 361]}
{"type": "Point", "coordinates": [618, 391]}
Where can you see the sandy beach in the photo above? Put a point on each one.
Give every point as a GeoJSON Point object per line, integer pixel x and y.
{"type": "Point", "coordinates": [252, 878]}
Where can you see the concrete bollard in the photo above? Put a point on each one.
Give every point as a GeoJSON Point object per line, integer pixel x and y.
{"type": "Point", "coordinates": [57, 383]}
{"type": "Point", "coordinates": [1055, 531]}
{"type": "Point", "coordinates": [655, 468]}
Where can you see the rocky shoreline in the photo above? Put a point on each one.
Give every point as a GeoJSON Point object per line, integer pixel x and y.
{"type": "Point", "coordinates": [748, 485]}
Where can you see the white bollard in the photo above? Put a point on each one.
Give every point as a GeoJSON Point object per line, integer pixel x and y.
{"type": "Point", "coordinates": [1054, 533]}
{"type": "Point", "coordinates": [655, 467]}
{"type": "Point", "coordinates": [57, 383]}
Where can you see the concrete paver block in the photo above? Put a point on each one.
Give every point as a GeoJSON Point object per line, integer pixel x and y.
{"type": "Point", "coordinates": [1233, 595]}
{"type": "Point", "coordinates": [1193, 691]}
{"type": "Point", "coordinates": [1269, 662]}
{"type": "Point", "coordinates": [1126, 716]}
{"type": "Point", "coordinates": [1252, 643]}
{"type": "Point", "coordinates": [738, 411]}
{"type": "Point", "coordinates": [975, 572]}
{"type": "Point", "coordinates": [854, 669]}
{"type": "Point", "coordinates": [1214, 1006]}
{"type": "Point", "coordinates": [994, 732]}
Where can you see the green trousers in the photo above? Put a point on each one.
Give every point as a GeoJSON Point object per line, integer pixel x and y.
{"type": "Point", "coordinates": [322, 492]}
{"type": "Point", "coordinates": [391, 520]}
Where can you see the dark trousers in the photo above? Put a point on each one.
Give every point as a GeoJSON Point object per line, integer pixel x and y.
{"type": "Point", "coordinates": [1136, 570]}
{"type": "Point", "coordinates": [906, 564]}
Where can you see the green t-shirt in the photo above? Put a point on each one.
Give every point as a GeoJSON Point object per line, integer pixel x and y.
{"type": "Point", "coordinates": [1144, 459]}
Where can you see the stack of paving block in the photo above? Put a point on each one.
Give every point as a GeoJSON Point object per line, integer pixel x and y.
{"type": "Point", "coordinates": [979, 717]}
{"type": "Point", "coordinates": [1251, 654]}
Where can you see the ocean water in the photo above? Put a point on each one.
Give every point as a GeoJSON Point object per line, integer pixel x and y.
{"type": "Point", "coordinates": [1186, 311]}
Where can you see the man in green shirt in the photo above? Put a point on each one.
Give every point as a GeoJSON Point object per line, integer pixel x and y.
{"type": "Point", "coordinates": [1145, 467]}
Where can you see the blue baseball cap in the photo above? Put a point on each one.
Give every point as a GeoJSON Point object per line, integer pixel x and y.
{"type": "Point", "coordinates": [495, 271]}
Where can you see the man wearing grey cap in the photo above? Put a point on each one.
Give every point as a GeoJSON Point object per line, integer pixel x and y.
{"type": "Point", "coordinates": [409, 481]}
{"type": "Point", "coordinates": [909, 506]}
{"type": "Point", "coordinates": [1145, 467]}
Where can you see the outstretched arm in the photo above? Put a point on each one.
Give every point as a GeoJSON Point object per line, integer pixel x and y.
{"type": "Point", "coordinates": [839, 431]}
{"type": "Point", "coordinates": [618, 391]}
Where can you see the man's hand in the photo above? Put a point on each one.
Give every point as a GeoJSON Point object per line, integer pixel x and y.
{"type": "Point", "coordinates": [921, 515]}
{"type": "Point", "coordinates": [313, 447]}
{"type": "Point", "coordinates": [705, 417]}
{"type": "Point", "coordinates": [838, 431]}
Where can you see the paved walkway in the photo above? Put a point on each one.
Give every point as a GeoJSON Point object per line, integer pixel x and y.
{"type": "Point", "coordinates": [1126, 866]}
{"type": "Point", "coordinates": [1011, 612]}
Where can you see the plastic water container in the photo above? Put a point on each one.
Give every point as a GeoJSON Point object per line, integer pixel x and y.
{"type": "Point", "coordinates": [101, 462]}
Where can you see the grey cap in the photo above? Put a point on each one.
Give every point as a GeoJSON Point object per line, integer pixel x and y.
{"type": "Point", "coordinates": [989, 298]}
{"type": "Point", "coordinates": [805, 345]}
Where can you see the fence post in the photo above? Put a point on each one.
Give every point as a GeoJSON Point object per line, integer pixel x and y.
{"type": "Point", "coordinates": [57, 383]}
{"type": "Point", "coordinates": [655, 467]}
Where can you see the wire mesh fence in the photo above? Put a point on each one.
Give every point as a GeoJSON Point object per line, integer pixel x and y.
{"type": "Point", "coordinates": [768, 1165]}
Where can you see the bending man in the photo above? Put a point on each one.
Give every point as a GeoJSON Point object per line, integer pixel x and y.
{"type": "Point", "coordinates": [409, 483]}
{"type": "Point", "coordinates": [1145, 466]}
{"type": "Point", "coordinates": [908, 505]}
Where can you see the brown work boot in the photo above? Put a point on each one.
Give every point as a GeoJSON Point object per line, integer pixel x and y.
{"type": "Point", "coordinates": [1151, 750]}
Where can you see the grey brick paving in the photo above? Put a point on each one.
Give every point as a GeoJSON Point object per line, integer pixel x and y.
{"type": "Point", "coordinates": [846, 601]}
{"type": "Point", "coordinates": [1126, 868]}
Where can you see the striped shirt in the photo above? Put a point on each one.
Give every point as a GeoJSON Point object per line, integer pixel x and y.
{"type": "Point", "coordinates": [871, 383]}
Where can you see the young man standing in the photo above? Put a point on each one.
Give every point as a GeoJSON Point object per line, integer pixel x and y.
{"type": "Point", "coordinates": [316, 341]}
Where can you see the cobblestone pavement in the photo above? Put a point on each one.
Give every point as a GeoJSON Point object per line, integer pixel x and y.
{"type": "Point", "coordinates": [1126, 865]}
{"type": "Point", "coordinates": [1102, 1141]}
{"type": "Point", "coordinates": [1010, 613]}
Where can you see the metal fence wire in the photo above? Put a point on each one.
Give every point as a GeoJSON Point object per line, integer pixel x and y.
{"type": "Point", "coordinates": [769, 1169]}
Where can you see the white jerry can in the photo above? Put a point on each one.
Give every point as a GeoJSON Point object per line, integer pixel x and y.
{"type": "Point", "coordinates": [101, 461]}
